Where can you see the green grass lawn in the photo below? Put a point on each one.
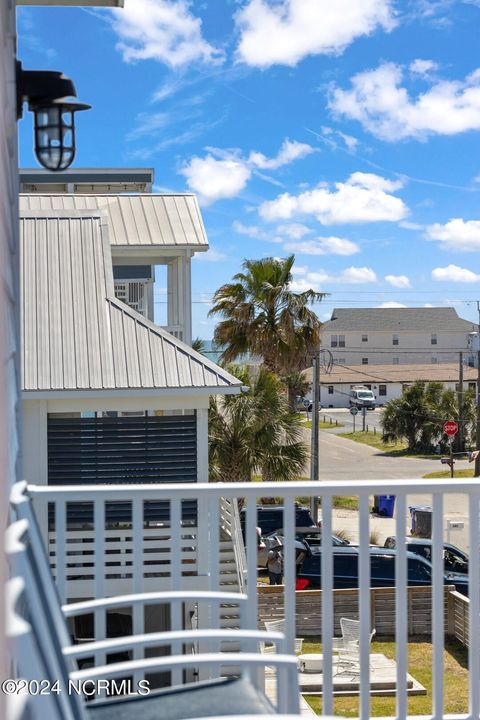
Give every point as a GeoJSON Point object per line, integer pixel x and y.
{"type": "Point", "coordinates": [420, 667]}
{"type": "Point", "coordinates": [397, 449]}
{"type": "Point", "coordinates": [322, 425]}
{"type": "Point", "coordinates": [464, 473]}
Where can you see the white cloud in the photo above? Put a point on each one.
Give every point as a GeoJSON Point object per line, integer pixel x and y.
{"type": "Point", "coordinates": [162, 30]}
{"type": "Point", "coordinates": [319, 279]}
{"type": "Point", "coordinates": [454, 273]}
{"type": "Point", "coordinates": [384, 107]}
{"type": "Point", "coordinates": [256, 232]}
{"type": "Point", "coordinates": [391, 304]}
{"type": "Point", "coordinates": [225, 173]}
{"type": "Point", "coordinates": [398, 281]}
{"type": "Point", "coordinates": [323, 246]}
{"type": "Point", "coordinates": [410, 225]}
{"type": "Point", "coordinates": [211, 255]}
{"type": "Point", "coordinates": [363, 198]}
{"type": "Point", "coordinates": [457, 234]}
{"type": "Point", "coordinates": [287, 31]}
{"type": "Point", "coordinates": [423, 67]}
{"type": "Point", "coordinates": [295, 231]}
{"type": "Point", "coordinates": [214, 179]}
{"type": "Point", "coordinates": [291, 150]}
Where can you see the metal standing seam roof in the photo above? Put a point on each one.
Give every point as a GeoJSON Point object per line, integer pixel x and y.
{"type": "Point", "coordinates": [396, 319]}
{"type": "Point", "coordinates": [76, 334]}
{"type": "Point", "coordinates": [374, 374]}
{"type": "Point", "coordinates": [149, 220]}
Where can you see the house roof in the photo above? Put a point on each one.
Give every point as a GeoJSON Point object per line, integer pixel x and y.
{"type": "Point", "coordinates": [149, 220]}
{"type": "Point", "coordinates": [77, 335]}
{"type": "Point", "coordinates": [374, 374]}
{"type": "Point", "coordinates": [413, 319]}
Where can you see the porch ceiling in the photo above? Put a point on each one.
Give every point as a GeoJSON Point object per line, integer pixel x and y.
{"type": "Point", "coordinates": [77, 335]}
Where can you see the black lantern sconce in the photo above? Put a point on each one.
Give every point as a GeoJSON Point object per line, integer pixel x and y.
{"type": "Point", "coordinates": [49, 96]}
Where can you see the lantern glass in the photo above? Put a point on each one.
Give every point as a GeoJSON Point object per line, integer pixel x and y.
{"type": "Point", "coordinates": [55, 135]}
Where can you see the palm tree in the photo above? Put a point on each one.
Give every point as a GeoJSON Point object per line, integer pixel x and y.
{"type": "Point", "coordinates": [255, 432]}
{"type": "Point", "coordinates": [418, 416]}
{"type": "Point", "coordinates": [199, 345]}
{"type": "Point", "coordinates": [263, 316]}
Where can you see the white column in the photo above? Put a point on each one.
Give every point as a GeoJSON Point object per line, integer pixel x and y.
{"type": "Point", "coordinates": [35, 454]}
{"type": "Point", "coordinates": [172, 292]}
{"type": "Point", "coordinates": [179, 301]}
{"type": "Point", "coordinates": [186, 286]}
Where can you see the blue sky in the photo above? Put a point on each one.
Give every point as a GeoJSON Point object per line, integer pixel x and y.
{"type": "Point", "coordinates": [345, 132]}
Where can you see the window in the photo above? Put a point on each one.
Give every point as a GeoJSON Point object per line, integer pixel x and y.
{"type": "Point", "coordinates": [341, 361]}
{"type": "Point", "coordinates": [471, 361]}
{"type": "Point", "coordinates": [394, 361]}
{"type": "Point", "coordinates": [334, 341]}
{"type": "Point", "coordinates": [472, 386]}
{"type": "Point", "coordinates": [341, 341]}
{"type": "Point", "coordinates": [418, 571]}
{"type": "Point", "coordinates": [330, 389]}
{"type": "Point", "coordinates": [364, 361]}
{"type": "Point", "coordinates": [434, 361]}
{"type": "Point", "coordinates": [364, 338]}
{"type": "Point", "coordinates": [394, 339]}
{"type": "Point", "coordinates": [382, 390]}
{"type": "Point", "coordinates": [382, 567]}
{"type": "Point", "coordinates": [433, 339]}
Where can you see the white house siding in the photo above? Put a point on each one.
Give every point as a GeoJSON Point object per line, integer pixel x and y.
{"type": "Point", "coordinates": [340, 396]}
{"type": "Point", "coordinates": [357, 336]}
{"type": "Point", "coordinates": [412, 348]}
{"type": "Point", "coordinates": [9, 425]}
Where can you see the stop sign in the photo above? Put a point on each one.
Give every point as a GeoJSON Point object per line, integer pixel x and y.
{"type": "Point", "coordinates": [450, 428]}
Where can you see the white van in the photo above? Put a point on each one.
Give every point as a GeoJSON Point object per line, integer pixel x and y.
{"type": "Point", "coordinates": [362, 397]}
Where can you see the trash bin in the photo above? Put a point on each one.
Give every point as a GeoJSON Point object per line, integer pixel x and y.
{"type": "Point", "coordinates": [421, 520]}
{"type": "Point", "coordinates": [386, 505]}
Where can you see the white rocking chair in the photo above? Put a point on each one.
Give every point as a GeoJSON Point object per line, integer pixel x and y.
{"type": "Point", "coordinates": [349, 645]}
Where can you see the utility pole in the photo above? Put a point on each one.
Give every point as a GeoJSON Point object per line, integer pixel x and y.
{"type": "Point", "coordinates": [477, 435]}
{"type": "Point", "coordinates": [461, 438]}
{"type": "Point", "coordinates": [314, 468]}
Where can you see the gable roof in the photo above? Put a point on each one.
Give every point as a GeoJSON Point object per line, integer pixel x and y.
{"type": "Point", "coordinates": [396, 319]}
{"type": "Point", "coordinates": [149, 220]}
{"type": "Point", "coordinates": [77, 335]}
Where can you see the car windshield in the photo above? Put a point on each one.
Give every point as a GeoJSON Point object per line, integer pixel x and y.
{"type": "Point", "coordinates": [365, 395]}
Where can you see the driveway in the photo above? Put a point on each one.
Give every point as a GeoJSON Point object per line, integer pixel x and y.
{"type": "Point", "coordinates": [343, 459]}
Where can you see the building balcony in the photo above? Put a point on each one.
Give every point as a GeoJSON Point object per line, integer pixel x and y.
{"type": "Point", "coordinates": [178, 551]}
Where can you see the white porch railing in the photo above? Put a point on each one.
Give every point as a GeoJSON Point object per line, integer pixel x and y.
{"type": "Point", "coordinates": [175, 330]}
{"type": "Point", "coordinates": [230, 523]}
{"type": "Point", "coordinates": [206, 570]}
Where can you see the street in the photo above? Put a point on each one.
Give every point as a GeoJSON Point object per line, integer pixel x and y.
{"type": "Point", "coordinates": [342, 459]}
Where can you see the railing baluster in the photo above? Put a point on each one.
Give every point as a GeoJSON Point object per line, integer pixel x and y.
{"type": "Point", "coordinates": [61, 547]}
{"type": "Point", "coordinates": [289, 572]}
{"type": "Point", "coordinates": [364, 607]}
{"type": "Point", "coordinates": [214, 570]}
{"type": "Point", "coordinates": [326, 574]}
{"type": "Point", "coordinates": [438, 600]}
{"type": "Point", "coordinates": [176, 578]}
{"type": "Point", "coordinates": [138, 613]}
{"type": "Point", "coordinates": [251, 613]}
{"type": "Point", "coordinates": [100, 619]}
{"type": "Point", "coordinates": [176, 544]}
{"type": "Point", "coordinates": [474, 605]}
{"type": "Point", "coordinates": [251, 543]}
{"type": "Point", "coordinates": [176, 623]}
{"type": "Point", "coordinates": [401, 606]}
